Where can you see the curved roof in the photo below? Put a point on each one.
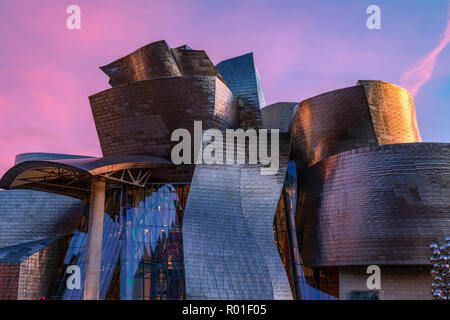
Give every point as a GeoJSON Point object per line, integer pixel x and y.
{"type": "Point", "coordinates": [158, 60]}
{"type": "Point", "coordinates": [72, 177]}
{"type": "Point", "coordinates": [29, 156]}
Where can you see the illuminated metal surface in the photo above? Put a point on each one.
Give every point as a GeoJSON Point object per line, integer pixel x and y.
{"type": "Point", "coordinates": [392, 111]}
{"type": "Point", "coordinates": [31, 268]}
{"type": "Point", "coordinates": [72, 177]}
{"type": "Point", "coordinates": [158, 60]}
{"type": "Point", "coordinates": [194, 62]}
{"type": "Point", "coordinates": [28, 215]}
{"type": "Point", "coordinates": [278, 116]}
{"type": "Point", "coordinates": [33, 156]}
{"type": "Point", "coordinates": [242, 77]}
{"type": "Point", "coordinates": [151, 61]}
{"type": "Point", "coordinates": [228, 240]}
{"type": "Point", "coordinates": [155, 91]}
{"type": "Point", "coordinates": [371, 114]}
{"type": "Point", "coordinates": [375, 205]}
{"type": "Point", "coordinates": [139, 117]}
{"type": "Point", "coordinates": [356, 206]}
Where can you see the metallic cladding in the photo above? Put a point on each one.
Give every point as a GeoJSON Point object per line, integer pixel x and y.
{"type": "Point", "coordinates": [331, 123]}
{"type": "Point", "coordinates": [242, 77]}
{"type": "Point", "coordinates": [28, 215]}
{"type": "Point", "coordinates": [375, 205]}
{"type": "Point", "coordinates": [36, 156]}
{"type": "Point", "coordinates": [393, 112]}
{"type": "Point", "coordinates": [361, 199]}
{"type": "Point", "coordinates": [154, 60]}
{"type": "Point", "coordinates": [372, 113]}
{"type": "Point", "coordinates": [139, 117]}
{"type": "Point", "coordinates": [228, 241]}
{"type": "Point", "coordinates": [278, 116]}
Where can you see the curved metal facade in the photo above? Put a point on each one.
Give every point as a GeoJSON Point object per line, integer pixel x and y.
{"type": "Point", "coordinates": [228, 240]}
{"type": "Point", "coordinates": [28, 215]}
{"type": "Point", "coordinates": [38, 156]}
{"type": "Point", "coordinates": [371, 113]}
{"type": "Point", "coordinates": [375, 205]}
{"type": "Point", "coordinates": [393, 112]}
{"type": "Point", "coordinates": [194, 62]}
{"type": "Point", "coordinates": [158, 60]}
{"type": "Point", "coordinates": [278, 116]}
{"type": "Point", "coordinates": [139, 117]}
{"type": "Point", "coordinates": [363, 189]}
{"type": "Point", "coordinates": [151, 61]}
{"type": "Point", "coordinates": [242, 77]}
{"type": "Point", "coordinates": [331, 123]}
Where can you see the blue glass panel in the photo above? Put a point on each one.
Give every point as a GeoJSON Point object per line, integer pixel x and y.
{"type": "Point", "coordinates": [151, 260]}
{"type": "Point", "coordinates": [76, 255]}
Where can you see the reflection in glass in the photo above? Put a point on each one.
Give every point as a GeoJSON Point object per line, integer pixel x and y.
{"type": "Point", "coordinates": [151, 259]}
{"type": "Point", "coordinates": [76, 255]}
{"type": "Point", "coordinates": [286, 241]}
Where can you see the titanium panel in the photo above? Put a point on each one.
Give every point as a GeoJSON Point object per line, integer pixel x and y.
{"type": "Point", "coordinates": [28, 215]}
{"type": "Point", "coordinates": [393, 112]}
{"type": "Point", "coordinates": [139, 118]}
{"type": "Point", "coordinates": [375, 205]}
{"type": "Point", "coordinates": [228, 240]}
{"type": "Point", "coordinates": [278, 116]}
{"type": "Point", "coordinates": [371, 113]}
{"type": "Point", "coordinates": [154, 60]}
{"type": "Point", "coordinates": [330, 123]}
{"type": "Point", "coordinates": [28, 270]}
{"type": "Point", "coordinates": [242, 77]}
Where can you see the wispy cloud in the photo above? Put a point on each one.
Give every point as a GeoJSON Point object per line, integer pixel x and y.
{"type": "Point", "coordinates": [416, 77]}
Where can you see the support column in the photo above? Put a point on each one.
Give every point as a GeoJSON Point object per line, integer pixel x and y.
{"type": "Point", "coordinates": [95, 235]}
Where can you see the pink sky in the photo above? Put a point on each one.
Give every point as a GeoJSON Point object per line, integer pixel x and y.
{"type": "Point", "coordinates": [415, 78]}
{"type": "Point", "coordinates": [301, 49]}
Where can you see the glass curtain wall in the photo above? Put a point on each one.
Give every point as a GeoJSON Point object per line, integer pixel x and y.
{"type": "Point", "coordinates": [152, 256]}
{"type": "Point", "coordinates": [142, 256]}
{"type": "Point", "coordinates": [77, 252]}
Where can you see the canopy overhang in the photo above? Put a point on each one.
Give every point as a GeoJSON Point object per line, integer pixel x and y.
{"type": "Point", "coordinates": [72, 177]}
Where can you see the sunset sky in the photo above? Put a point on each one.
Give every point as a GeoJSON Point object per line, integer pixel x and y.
{"type": "Point", "coordinates": [302, 48]}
